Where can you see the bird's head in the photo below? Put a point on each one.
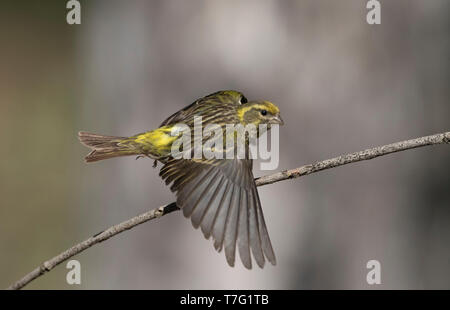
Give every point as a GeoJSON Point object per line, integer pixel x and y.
{"type": "Point", "coordinates": [259, 112]}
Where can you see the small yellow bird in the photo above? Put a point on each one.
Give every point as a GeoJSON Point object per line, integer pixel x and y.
{"type": "Point", "coordinates": [219, 195]}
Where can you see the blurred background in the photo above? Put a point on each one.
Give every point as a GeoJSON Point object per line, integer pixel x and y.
{"type": "Point", "coordinates": [342, 86]}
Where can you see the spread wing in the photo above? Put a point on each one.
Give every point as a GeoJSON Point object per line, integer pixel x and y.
{"type": "Point", "coordinates": [221, 197]}
{"type": "Point", "coordinates": [214, 101]}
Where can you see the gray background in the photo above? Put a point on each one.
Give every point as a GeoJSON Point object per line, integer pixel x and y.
{"type": "Point", "coordinates": [341, 84]}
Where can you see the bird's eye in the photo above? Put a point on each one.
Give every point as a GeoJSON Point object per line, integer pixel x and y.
{"type": "Point", "coordinates": [243, 100]}
{"type": "Point", "coordinates": [264, 112]}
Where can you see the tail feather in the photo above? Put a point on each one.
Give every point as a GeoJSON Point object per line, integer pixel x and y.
{"type": "Point", "coordinates": [104, 147]}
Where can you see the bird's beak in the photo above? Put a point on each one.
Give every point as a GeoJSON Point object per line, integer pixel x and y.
{"type": "Point", "coordinates": [277, 120]}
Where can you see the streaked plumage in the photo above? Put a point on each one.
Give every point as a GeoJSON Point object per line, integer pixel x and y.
{"type": "Point", "coordinates": [218, 195]}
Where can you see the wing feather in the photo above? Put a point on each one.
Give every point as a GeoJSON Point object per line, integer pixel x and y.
{"type": "Point", "coordinates": [263, 234]}
{"type": "Point", "coordinates": [221, 197]}
{"type": "Point", "coordinates": [255, 241]}
{"type": "Point", "coordinates": [244, 247]}
{"type": "Point", "coordinates": [222, 218]}
{"type": "Point", "coordinates": [204, 201]}
{"type": "Point", "coordinates": [231, 227]}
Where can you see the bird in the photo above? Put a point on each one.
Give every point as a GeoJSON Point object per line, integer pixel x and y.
{"type": "Point", "coordinates": [219, 195]}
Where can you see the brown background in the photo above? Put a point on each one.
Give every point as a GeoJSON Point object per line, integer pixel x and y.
{"type": "Point", "coordinates": [342, 86]}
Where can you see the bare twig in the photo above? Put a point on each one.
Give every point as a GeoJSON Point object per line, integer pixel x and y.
{"type": "Point", "coordinates": [441, 138]}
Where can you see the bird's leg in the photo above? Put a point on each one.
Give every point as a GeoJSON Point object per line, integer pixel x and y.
{"type": "Point", "coordinates": [155, 162]}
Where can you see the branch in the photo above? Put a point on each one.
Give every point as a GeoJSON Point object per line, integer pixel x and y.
{"type": "Point", "coordinates": [441, 138]}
